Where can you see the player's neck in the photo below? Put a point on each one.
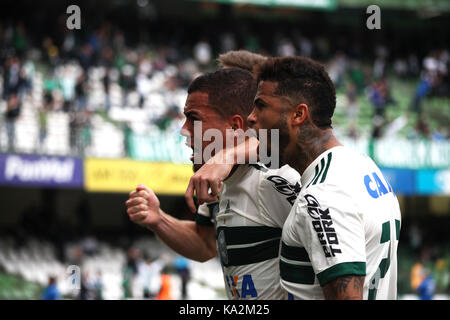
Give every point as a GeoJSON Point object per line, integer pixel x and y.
{"type": "Point", "coordinates": [312, 144]}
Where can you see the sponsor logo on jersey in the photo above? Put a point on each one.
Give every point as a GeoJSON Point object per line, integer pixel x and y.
{"type": "Point", "coordinates": [247, 288]}
{"type": "Point", "coordinates": [375, 187]}
{"type": "Point", "coordinates": [323, 225]}
{"type": "Point", "coordinates": [284, 187]}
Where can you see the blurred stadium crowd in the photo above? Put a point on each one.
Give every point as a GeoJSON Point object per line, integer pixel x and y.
{"type": "Point", "coordinates": [84, 94]}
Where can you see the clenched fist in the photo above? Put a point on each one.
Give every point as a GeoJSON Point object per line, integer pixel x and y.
{"type": "Point", "coordinates": [143, 207]}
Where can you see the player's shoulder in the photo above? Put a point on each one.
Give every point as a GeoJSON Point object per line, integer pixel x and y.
{"type": "Point", "coordinates": [281, 182]}
{"type": "Point", "coordinates": [339, 166]}
{"type": "Point", "coordinates": [285, 172]}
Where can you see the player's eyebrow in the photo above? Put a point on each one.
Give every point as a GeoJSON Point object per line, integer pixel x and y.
{"type": "Point", "coordinates": [259, 102]}
{"type": "Point", "coordinates": [191, 113]}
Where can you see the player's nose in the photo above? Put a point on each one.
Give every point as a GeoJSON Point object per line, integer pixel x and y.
{"type": "Point", "coordinates": [251, 119]}
{"type": "Point", "coordinates": [184, 131]}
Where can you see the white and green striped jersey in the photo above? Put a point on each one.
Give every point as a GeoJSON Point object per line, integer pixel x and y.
{"type": "Point", "coordinates": [345, 221]}
{"type": "Point", "coordinates": [254, 204]}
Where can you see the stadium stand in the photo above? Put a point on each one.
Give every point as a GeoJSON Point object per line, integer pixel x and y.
{"type": "Point", "coordinates": [36, 261]}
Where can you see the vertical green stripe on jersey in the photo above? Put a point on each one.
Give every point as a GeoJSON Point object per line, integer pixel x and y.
{"type": "Point", "coordinates": [326, 169]}
{"type": "Point", "coordinates": [322, 166]}
{"type": "Point", "coordinates": [341, 269]}
{"type": "Point", "coordinates": [296, 273]}
{"type": "Point", "coordinates": [323, 170]}
{"type": "Point", "coordinates": [316, 172]}
{"type": "Point", "coordinates": [385, 232]}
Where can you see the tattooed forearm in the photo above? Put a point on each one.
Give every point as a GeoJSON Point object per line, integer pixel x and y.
{"type": "Point", "coordinates": [344, 288]}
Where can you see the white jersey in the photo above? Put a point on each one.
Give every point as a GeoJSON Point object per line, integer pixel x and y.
{"type": "Point", "coordinates": [345, 221]}
{"type": "Point", "coordinates": [254, 204]}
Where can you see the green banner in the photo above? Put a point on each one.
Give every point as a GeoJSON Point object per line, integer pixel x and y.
{"type": "Point", "coordinates": [159, 147]}
{"type": "Point", "coordinates": [397, 153]}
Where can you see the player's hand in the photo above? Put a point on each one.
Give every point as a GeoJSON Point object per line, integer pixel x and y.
{"type": "Point", "coordinates": [143, 207]}
{"type": "Point", "coordinates": [206, 183]}
{"type": "Point", "coordinates": [208, 178]}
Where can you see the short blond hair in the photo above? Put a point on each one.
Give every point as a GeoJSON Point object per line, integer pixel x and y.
{"type": "Point", "coordinates": [242, 59]}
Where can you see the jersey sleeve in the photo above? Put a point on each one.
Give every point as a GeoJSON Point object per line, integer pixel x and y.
{"type": "Point", "coordinates": [332, 232]}
{"type": "Point", "coordinates": [204, 214]}
{"type": "Point", "coordinates": [277, 192]}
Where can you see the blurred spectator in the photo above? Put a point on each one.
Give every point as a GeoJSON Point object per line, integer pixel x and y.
{"type": "Point", "coordinates": [127, 283]}
{"type": "Point", "coordinates": [337, 68]}
{"type": "Point", "coordinates": [427, 287]}
{"type": "Point", "coordinates": [12, 86]}
{"type": "Point", "coordinates": [79, 125]}
{"type": "Point", "coordinates": [442, 273]}
{"type": "Point", "coordinates": [86, 289]}
{"type": "Point", "coordinates": [68, 83]}
{"type": "Point", "coordinates": [422, 90]}
{"type": "Point", "coordinates": [51, 292]}
{"type": "Point", "coordinates": [413, 65]}
{"type": "Point", "coordinates": [415, 237]}
{"type": "Point", "coordinates": [98, 287]}
{"type": "Point", "coordinates": [165, 293]}
{"type": "Point", "coordinates": [380, 96]}
{"type": "Point", "coordinates": [203, 52]}
{"type": "Point", "coordinates": [432, 76]}
{"type": "Point", "coordinates": [305, 46]}
{"type": "Point", "coordinates": [143, 87]}
{"type": "Point", "coordinates": [11, 115]}
{"type": "Point", "coordinates": [42, 114]}
{"type": "Point", "coordinates": [130, 271]}
{"type": "Point", "coordinates": [417, 274]}
{"type": "Point", "coordinates": [227, 42]}
{"type": "Point", "coordinates": [285, 48]}
{"type": "Point", "coordinates": [422, 280]}
{"type": "Point", "coordinates": [107, 87]}
{"type": "Point", "coordinates": [81, 90]}
{"type": "Point", "coordinates": [352, 103]}
{"type": "Point", "coordinates": [127, 82]}
{"type": "Point", "coordinates": [421, 129]}
{"type": "Point", "coordinates": [89, 245]}
{"type": "Point", "coordinates": [150, 277]}
{"type": "Point", "coordinates": [182, 269]}
{"type": "Point", "coordinates": [401, 67]}
{"type": "Point", "coordinates": [50, 52]}
{"type": "Point", "coordinates": [379, 67]}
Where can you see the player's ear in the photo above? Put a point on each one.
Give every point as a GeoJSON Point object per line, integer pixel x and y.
{"type": "Point", "coordinates": [236, 122]}
{"type": "Point", "coordinates": [299, 114]}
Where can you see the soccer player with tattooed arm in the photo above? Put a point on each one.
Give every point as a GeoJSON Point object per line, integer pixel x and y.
{"type": "Point", "coordinates": [242, 223]}
{"type": "Point", "coordinates": [341, 237]}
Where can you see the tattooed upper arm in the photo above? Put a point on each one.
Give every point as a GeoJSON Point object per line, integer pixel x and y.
{"type": "Point", "coordinates": [344, 288]}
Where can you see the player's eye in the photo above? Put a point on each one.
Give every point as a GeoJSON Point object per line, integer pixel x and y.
{"type": "Point", "coordinates": [190, 117]}
{"type": "Point", "coordinates": [259, 104]}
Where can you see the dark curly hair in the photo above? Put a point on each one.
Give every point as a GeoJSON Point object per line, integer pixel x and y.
{"type": "Point", "coordinates": [230, 91]}
{"type": "Point", "coordinates": [303, 80]}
